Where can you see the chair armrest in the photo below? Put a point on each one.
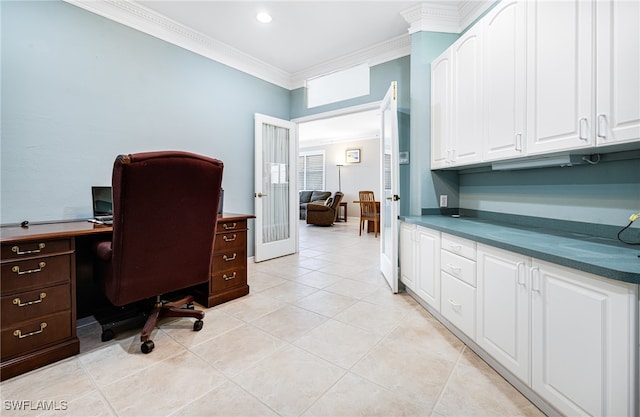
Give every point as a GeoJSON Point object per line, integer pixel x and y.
{"type": "Point", "coordinates": [103, 250]}
{"type": "Point", "coordinates": [317, 207]}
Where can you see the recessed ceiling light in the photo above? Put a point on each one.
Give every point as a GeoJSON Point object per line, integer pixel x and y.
{"type": "Point", "coordinates": [263, 17]}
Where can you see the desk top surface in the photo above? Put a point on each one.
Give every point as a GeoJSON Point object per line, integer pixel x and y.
{"type": "Point", "coordinates": [9, 234]}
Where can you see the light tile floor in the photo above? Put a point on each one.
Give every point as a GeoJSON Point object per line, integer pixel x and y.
{"type": "Point", "coordinates": [319, 335]}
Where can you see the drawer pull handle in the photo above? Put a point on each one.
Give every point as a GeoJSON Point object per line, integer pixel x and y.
{"type": "Point", "coordinates": [454, 305]}
{"type": "Point", "coordinates": [232, 258]}
{"type": "Point", "coordinates": [229, 239]}
{"type": "Point", "coordinates": [455, 268]}
{"type": "Point", "coordinates": [19, 303]}
{"type": "Point", "coordinates": [229, 277]}
{"type": "Point", "coordinates": [18, 333]}
{"type": "Point", "coordinates": [229, 226]}
{"type": "Point", "coordinates": [17, 270]}
{"type": "Point", "coordinates": [456, 248]}
{"type": "Point", "coordinates": [16, 250]}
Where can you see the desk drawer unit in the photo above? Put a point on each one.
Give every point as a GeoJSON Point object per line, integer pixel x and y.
{"type": "Point", "coordinates": [228, 263]}
{"type": "Point", "coordinates": [37, 308]}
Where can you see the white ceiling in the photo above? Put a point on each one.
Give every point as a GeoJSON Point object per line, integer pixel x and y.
{"type": "Point", "coordinates": [363, 125]}
{"type": "Point", "coordinates": [302, 35]}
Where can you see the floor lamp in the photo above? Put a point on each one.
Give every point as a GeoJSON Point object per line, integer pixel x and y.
{"type": "Point", "coordinates": [339, 177]}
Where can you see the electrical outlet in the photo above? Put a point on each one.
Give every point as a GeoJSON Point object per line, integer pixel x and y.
{"type": "Point", "coordinates": [443, 200]}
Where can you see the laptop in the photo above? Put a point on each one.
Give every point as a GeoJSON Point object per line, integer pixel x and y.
{"type": "Point", "coordinates": [102, 204]}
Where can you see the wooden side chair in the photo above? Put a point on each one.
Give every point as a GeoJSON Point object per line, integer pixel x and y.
{"type": "Point", "coordinates": [369, 211]}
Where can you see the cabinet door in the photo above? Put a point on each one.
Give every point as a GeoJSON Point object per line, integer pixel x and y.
{"type": "Point", "coordinates": [503, 308]}
{"type": "Point", "coordinates": [407, 255]}
{"type": "Point", "coordinates": [583, 333]}
{"type": "Point", "coordinates": [504, 80]}
{"type": "Point", "coordinates": [428, 266]}
{"type": "Point", "coordinates": [440, 110]}
{"type": "Point", "coordinates": [618, 72]}
{"type": "Point", "coordinates": [467, 106]}
{"type": "Point", "coordinates": [560, 75]}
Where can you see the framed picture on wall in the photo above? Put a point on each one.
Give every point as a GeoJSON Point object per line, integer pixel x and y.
{"type": "Point", "coordinates": [352, 156]}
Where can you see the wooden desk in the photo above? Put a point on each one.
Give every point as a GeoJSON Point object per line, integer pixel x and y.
{"type": "Point", "coordinates": [40, 269]}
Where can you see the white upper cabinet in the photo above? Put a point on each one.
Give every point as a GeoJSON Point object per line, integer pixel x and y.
{"type": "Point", "coordinates": [504, 81]}
{"type": "Point", "coordinates": [618, 72]}
{"type": "Point", "coordinates": [560, 76]}
{"type": "Point", "coordinates": [440, 110]}
{"type": "Point", "coordinates": [466, 58]}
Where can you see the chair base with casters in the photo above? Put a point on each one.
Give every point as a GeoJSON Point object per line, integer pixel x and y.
{"type": "Point", "coordinates": [140, 314]}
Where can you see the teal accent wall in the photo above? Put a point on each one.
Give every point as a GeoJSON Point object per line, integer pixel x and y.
{"type": "Point", "coordinates": [607, 193]}
{"type": "Point", "coordinates": [426, 185]}
{"type": "Point", "coordinates": [381, 77]}
{"type": "Point", "coordinates": [79, 89]}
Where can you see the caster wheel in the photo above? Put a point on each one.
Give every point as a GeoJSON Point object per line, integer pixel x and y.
{"type": "Point", "coordinates": [147, 346]}
{"type": "Point", "coordinates": [197, 326]}
{"type": "Point", "coordinates": [107, 335]}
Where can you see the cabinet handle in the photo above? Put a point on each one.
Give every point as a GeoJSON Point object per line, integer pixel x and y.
{"type": "Point", "coordinates": [17, 270]}
{"type": "Point", "coordinates": [518, 142]}
{"type": "Point", "coordinates": [229, 226]}
{"type": "Point", "coordinates": [456, 248]}
{"type": "Point", "coordinates": [454, 305]}
{"type": "Point", "coordinates": [19, 303]}
{"type": "Point", "coordinates": [16, 250]}
{"type": "Point", "coordinates": [229, 239]}
{"type": "Point", "coordinates": [521, 278]}
{"type": "Point", "coordinates": [535, 279]}
{"type": "Point", "coordinates": [18, 333]}
{"type": "Point", "coordinates": [455, 268]}
{"type": "Point", "coordinates": [602, 126]}
{"type": "Point", "coordinates": [584, 127]}
{"type": "Point", "coordinates": [229, 277]}
{"type": "Point", "coordinates": [232, 258]}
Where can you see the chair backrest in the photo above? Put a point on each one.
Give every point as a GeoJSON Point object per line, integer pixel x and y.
{"type": "Point", "coordinates": [164, 220]}
{"type": "Point", "coordinates": [367, 204]}
{"type": "Point", "coordinates": [337, 199]}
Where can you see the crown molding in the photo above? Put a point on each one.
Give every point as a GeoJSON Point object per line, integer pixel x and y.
{"type": "Point", "coordinates": [451, 17]}
{"type": "Point", "coordinates": [138, 17]}
{"type": "Point", "coordinates": [377, 54]}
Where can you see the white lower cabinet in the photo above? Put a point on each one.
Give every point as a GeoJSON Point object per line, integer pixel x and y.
{"type": "Point", "coordinates": [408, 255]}
{"type": "Point", "coordinates": [583, 341]}
{"type": "Point", "coordinates": [458, 303]}
{"type": "Point", "coordinates": [571, 336]}
{"type": "Point", "coordinates": [503, 308]}
{"type": "Point", "coordinates": [428, 266]}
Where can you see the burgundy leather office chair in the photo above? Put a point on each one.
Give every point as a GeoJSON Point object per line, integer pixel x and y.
{"type": "Point", "coordinates": [164, 220]}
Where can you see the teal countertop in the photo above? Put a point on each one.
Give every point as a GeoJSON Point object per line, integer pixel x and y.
{"type": "Point", "coordinates": [600, 256]}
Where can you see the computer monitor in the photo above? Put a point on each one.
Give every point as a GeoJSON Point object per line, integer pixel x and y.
{"type": "Point", "coordinates": [102, 201]}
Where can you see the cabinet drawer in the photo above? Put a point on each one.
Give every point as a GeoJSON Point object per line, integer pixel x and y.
{"type": "Point", "coordinates": [231, 226]}
{"type": "Point", "coordinates": [31, 335]}
{"type": "Point", "coordinates": [34, 248]}
{"type": "Point", "coordinates": [35, 273]}
{"type": "Point", "coordinates": [458, 303]}
{"type": "Point", "coordinates": [460, 246]}
{"type": "Point", "coordinates": [32, 304]}
{"type": "Point", "coordinates": [223, 261]}
{"type": "Point", "coordinates": [230, 241]}
{"type": "Point", "coordinates": [221, 280]}
{"type": "Point", "coordinates": [461, 268]}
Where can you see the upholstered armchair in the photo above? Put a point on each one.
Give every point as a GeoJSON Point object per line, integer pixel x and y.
{"type": "Point", "coordinates": [324, 214]}
{"type": "Point", "coordinates": [164, 221]}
